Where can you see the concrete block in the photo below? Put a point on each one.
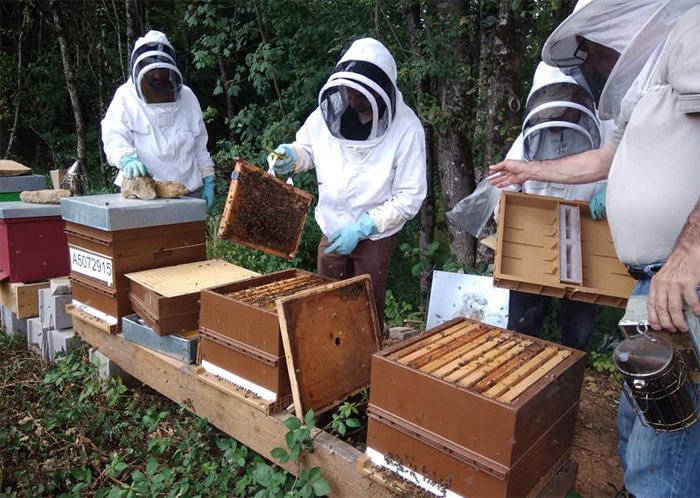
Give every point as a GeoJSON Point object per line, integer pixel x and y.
{"type": "Point", "coordinates": [11, 324]}
{"type": "Point", "coordinates": [52, 310]}
{"type": "Point", "coordinates": [62, 341]}
{"type": "Point", "coordinates": [60, 286]}
{"type": "Point", "coordinates": [107, 368]}
{"type": "Point", "coordinates": [37, 338]}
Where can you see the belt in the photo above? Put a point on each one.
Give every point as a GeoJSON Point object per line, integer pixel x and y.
{"type": "Point", "coordinates": [643, 272]}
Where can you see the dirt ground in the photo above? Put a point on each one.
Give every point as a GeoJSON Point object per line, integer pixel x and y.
{"type": "Point", "coordinates": [595, 441]}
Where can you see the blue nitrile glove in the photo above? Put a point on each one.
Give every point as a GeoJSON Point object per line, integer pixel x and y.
{"type": "Point", "coordinates": [208, 191]}
{"type": "Point", "coordinates": [345, 240]}
{"type": "Point", "coordinates": [597, 205]}
{"type": "Point", "coordinates": [286, 159]}
{"type": "Point", "coordinates": [132, 166]}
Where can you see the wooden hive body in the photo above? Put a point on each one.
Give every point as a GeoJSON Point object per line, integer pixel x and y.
{"type": "Point", "coordinates": [483, 410]}
{"type": "Point", "coordinates": [240, 331]}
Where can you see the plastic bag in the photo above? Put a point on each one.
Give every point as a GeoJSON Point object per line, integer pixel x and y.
{"type": "Point", "coordinates": [473, 212]}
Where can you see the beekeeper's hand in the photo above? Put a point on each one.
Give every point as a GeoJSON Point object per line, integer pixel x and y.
{"type": "Point", "coordinates": [208, 191]}
{"type": "Point", "coordinates": [345, 240]}
{"type": "Point", "coordinates": [132, 166]}
{"type": "Point", "coordinates": [286, 159]}
{"type": "Point", "coordinates": [597, 205]}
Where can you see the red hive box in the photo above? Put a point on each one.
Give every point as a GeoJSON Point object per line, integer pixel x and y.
{"type": "Point", "coordinates": [32, 242]}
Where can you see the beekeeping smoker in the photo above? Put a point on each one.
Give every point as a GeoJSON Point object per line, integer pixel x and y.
{"type": "Point", "coordinates": [560, 120]}
{"type": "Point", "coordinates": [368, 149]}
{"type": "Point", "coordinates": [154, 124]}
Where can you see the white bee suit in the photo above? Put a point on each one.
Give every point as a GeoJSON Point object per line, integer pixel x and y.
{"type": "Point", "coordinates": [170, 139]}
{"type": "Point", "coordinates": [384, 175]}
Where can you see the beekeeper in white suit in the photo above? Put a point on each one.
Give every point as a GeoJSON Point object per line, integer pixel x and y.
{"type": "Point", "coordinates": [560, 120]}
{"type": "Point", "coordinates": [154, 124]}
{"type": "Point", "coordinates": [368, 148]}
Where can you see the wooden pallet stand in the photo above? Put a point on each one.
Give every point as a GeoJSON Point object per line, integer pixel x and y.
{"type": "Point", "coordinates": [239, 416]}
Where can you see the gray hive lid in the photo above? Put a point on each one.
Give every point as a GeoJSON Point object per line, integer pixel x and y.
{"type": "Point", "coordinates": [17, 209]}
{"type": "Point", "coordinates": [111, 212]}
{"type": "Point", "coordinates": [22, 183]}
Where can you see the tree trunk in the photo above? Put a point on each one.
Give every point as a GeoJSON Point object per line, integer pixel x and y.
{"type": "Point", "coordinates": [452, 143]}
{"type": "Point", "coordinates": [427, 213]}
{"type": "Point", "coordinates": [18, 89]}
{"type": "Point", "coordinates": [499, 112]}
{"type": "Point", "coordinates": [71, 85]}
{"type": "Point", "coordinates": [230, 112]}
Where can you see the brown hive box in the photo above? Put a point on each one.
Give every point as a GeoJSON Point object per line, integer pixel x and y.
{"type": "Point", "coordinates": [480, 410]}
{"type": "Point", "coordinates": [240, 332]}
{"type": "Point", "coordinates": [167, 299]}
{"type": "Point", "coordinates": [263, 212]}
{"type": "Point", "coordinates": [109, 236]}
{"type": "Point", "coordinates": [550, 246]}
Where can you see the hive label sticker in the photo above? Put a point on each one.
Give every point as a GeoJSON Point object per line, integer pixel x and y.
{"type": "Point", "coordinates": [91, 264]}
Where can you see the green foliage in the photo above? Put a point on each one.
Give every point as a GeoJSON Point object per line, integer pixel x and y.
{"type": "Point", "coordinates": [398, 313]}
{"type": "Point", "coordinates": [66, 433]}
{"type": "Point", "coordinates": [348, 415]}
{"type": "Point", "coordinates": [603, 362]}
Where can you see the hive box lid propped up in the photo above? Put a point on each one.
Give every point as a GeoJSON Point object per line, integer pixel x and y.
{"type": "Point", "coordinates": [32, 242]}
{"type": "Point", "coordinates": [479, 409]}
{"type": "Point", "coordinates": [551, 246]}
{"type": "Point", "coordinates": [263, 212]}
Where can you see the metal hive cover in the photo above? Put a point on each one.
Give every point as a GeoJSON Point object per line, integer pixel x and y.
{"type": "Point", "coordinates": [111, 212]}
{"type": "Point", "coordinates": [22, 183]}
{"type": "Point", "coordinates": [18, 209]}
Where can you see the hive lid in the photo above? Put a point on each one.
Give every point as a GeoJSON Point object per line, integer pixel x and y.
{"type": "Point", "coordinates": [22, 183]}
{"type": "Point", "coordinates": [329, 333]}
{"type": "Point", "coordinates": [111, 212]}
{"type": "Point", "coordinates": [531, 256]}
{"type": "Point", "coordinates": [13, 168]}
{"type": "Point", "coordinates": [18, 209]}
{"type": "Point", "coordinates": [184, 279]}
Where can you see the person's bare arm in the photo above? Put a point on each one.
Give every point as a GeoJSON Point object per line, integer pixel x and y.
{"type": "Point", "coordinates": [677, 281]}
{"type": "Point", "coordinates": [586, 167]}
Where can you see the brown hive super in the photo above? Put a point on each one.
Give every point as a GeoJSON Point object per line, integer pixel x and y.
{"type": "Point", "coordinates": [483, 410]}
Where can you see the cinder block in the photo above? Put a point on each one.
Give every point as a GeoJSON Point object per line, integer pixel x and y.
{"type": "Point", "coordinates": [107, 368]}
{"type": "Point", "coordinates": [64, 341]}
{"type": "Point", "coordinates": [52, 310]}
{"type": "Point", "coordinates": [11, 324]}
{"type": "Point", "coordinates": [37, 339]}
{"type": "Point", "coordinates": [60, 286]}
{"type": "Point", "coordinates": [34, 333]}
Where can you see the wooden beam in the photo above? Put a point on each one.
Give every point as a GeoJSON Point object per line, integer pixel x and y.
{"type": "Point", "coordinates": [240, 420]}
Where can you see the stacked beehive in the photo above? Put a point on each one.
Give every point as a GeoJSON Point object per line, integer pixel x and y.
{"type": "Point", "coordinates": [479, 410]}
{"type": "Point", "coordinates": [109, 236]}
{"type": "Point", "coordinates": [240, 331]}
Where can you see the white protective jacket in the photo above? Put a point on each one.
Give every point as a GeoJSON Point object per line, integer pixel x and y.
{"type": "Point", "coordinates": [387, 179]}
{"type": "Point", "coordinates": [170, 139]}
{"type": "Point", "coordinates": [544, 76]}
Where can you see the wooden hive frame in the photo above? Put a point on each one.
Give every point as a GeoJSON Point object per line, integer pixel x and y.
{"type": "Point", "coordinates": [263, 212]}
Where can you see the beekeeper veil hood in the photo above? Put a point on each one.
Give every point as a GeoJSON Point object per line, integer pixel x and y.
{"type": "Point", "coordinates": [633, 29]}
{"type": "Point", "coordinates": [154, 69]}
{"type": "Point", "coordinates": [359, 101]}
{"type": "Point", "coordinates": [560, 117]}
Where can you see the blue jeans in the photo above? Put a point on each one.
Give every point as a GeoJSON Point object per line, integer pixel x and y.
{"type": "Point", "coordinates": [657, 464]}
